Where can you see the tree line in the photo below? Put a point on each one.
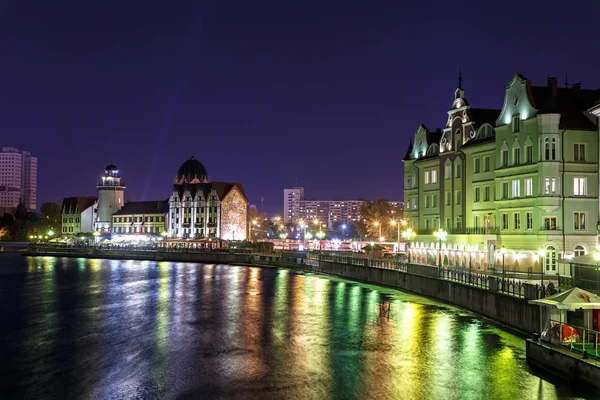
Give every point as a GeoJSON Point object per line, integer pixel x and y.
{"type": "Point", "coordinates": [23, 224]}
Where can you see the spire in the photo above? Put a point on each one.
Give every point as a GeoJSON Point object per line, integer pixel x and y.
{"type": "Point", "coordinates": [459, 79]}
{"type": "Point", "coordinates": [566, 80]}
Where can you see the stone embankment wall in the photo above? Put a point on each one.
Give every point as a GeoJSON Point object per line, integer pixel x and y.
{"type": "Point", "coordinates": [511, 311]}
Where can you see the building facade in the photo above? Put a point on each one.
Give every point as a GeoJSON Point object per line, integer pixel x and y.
{"type": "Point", "coordinates": [18, 180]}
{"type": "Point", "coordinates": [141, 218]}
{"type": "Point", "coordinates": [328, 212]}
{"type": "Point", "coordinates": [199, 209]}
{"type": "Point", "coordinates": [111, 191]}
{"type": "Point", "coordinates": [78, 215]}
{"type": "Point", "coordinates": [505, 184]}
{"type": "Point", "coordinates": [292, 200]}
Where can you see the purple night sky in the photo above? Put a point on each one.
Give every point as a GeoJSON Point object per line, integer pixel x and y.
{"type": "Point", "coordinates": [266, 93]}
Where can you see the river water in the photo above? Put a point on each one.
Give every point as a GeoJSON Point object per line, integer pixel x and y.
{"type": "Point", "coordinates": [103, 329]}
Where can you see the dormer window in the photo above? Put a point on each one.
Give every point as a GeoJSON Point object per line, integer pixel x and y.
{"type": "Point", "coordinates": [516, 124]}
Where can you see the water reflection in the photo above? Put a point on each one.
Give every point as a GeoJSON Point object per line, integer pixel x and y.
{"type": "Point", "coordinates": [132, 329]}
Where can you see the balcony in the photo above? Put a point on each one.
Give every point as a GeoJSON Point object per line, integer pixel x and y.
{"type": "Point", "coordinates": [474, 231]}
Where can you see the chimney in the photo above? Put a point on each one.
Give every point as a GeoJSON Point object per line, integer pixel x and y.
{"type": "Point", "coordinates": [553, 85]}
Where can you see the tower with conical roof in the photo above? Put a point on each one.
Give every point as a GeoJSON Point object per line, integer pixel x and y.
{"type": "Point", "coordinates": [111, 190]}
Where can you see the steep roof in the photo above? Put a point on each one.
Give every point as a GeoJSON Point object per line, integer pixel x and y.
{"type": "Point", "coordinates": [571, 103]}
{"type": "Point", "coordinates": [144, 207]}
{"type": "Point", "coordinates": [408, 151]}
{"type": "Point", "coordinates": [482, 116]}
{"type": "Point", "coordinates": [221, 188]}
{"type": "Point", "coordinates": [73, 205]}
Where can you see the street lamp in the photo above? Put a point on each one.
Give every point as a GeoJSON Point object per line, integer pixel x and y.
{"type": "Point", "coordinates": [597, 258]}
{"type": "Point", "coordinates": [396, 223]}
{"type": "Point", "coordinates": [377, 224]}
{"type": "Point", "coordinates": [50, 233]}
{"type": "Point", "coordinates": [408, 235]}
{"type": "Point", "coordinates": [282, 236]}
{"type": "Point", "coordinates": [343, 229]}
{"type": "Point", "coordinates": [253, 223]}
{"type": "Point", "coordinates": [542, 254]}
{"type": "Point", "coordinates": [470, 250]}
{"type": "Point", "coordinates": [440, 234]}
{"type": "Point", "coordinates": [320, 235]}
{"type": "Point", "coordinates": [503, 251]}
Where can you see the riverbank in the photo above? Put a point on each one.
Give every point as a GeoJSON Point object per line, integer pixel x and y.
{"type": "Point", "coordinates": [510, 311]}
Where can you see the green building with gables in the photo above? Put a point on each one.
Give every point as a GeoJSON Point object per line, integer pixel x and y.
{"type": "Point", "coordinates": [501, 185]}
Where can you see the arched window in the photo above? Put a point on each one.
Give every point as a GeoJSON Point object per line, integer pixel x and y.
{"type": "Point", "coordinates": [579, 251]}
{"type": "Point", "coordinates": [550, 260]}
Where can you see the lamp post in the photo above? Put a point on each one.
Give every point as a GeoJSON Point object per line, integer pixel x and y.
{"type": "Point", "coordinates": [470, 250]}
{"type": "Point", "coordinates": [597, 258]}
{"type": "Point", "coordinates": [440, 234]}
{"type": "Point", "coordinates": [343, 229]}
{"type": "Point", "coordinates": [282, 236]}
{"type": "Point", "coordinates": [542, 254]}
{"type": "Point", "coordinates": [377, 224]}
{"type": "Point", "coordinates": [303, 227]}
{"type": "Point", "coordinates": [408, 235]}
{"type": "Point", "coordinates": [503, 252]}
{"type": "Point", "coordinates": [396, 223]}
{"type": "Point", "coordinates": [320, 235]}
{"type": "Point", "coordinates": [308, 236]}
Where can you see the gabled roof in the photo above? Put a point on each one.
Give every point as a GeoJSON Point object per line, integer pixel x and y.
{"type": "Point", "coordinates": [74, 205]}
{"type": "Point", "coordinates": [482, 116]}
{"type": "Point", "coordinates": [144, 207]}
{"type": "Point", "coordinates": [571, 103]}
{"type": "Point", "coordinates": [221, 189]}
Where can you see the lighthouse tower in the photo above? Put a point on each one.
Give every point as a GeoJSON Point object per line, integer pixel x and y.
{"type": "Point", "coordinates": [110, 198]}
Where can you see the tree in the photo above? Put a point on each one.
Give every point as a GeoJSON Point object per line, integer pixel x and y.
{"type": "Point", "coordinates": [51, 217]}
{"type": "Point", "coordinates": [258, 221]}
{"type": "Point", "coordinates": [51, 210]}
{"type": "Point", "coordinates": [21, 212]}
{"type": "Point", "coordinates": [376, 220]}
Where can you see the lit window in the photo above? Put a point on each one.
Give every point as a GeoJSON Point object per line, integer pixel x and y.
{"type": "Point", "coordinates": [516, 188]}
{"type": "Point", "coordinates": [579, 186]}
{"type": "Point", "coordinates": [528, 187]}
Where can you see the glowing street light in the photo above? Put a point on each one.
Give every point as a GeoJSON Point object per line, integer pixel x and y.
{"type": "Point", "coordinates": [542, 254]}
{"type": "Point", "coordinates": [408, 235]}
{"type": "Point", "coordinates": [320, 235]}
{"type": "Point", "coordinates": [283, 236]}
{"type": "Point", "coordinates": [441, 235]}
{"type": "Point", "coordinates": [50, 232]}
{"type": "Point", "coordinates": [344, 226]}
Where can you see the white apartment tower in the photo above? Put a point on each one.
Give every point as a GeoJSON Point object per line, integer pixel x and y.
{"type": "Point", "coordinates": [110, 198]}
{"type": "Point", "coordinates": [292, 199]}
{"type": "Point", "coordinates": [18, 180]}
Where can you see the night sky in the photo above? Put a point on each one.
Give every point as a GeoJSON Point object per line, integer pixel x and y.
{"type": "Point", "coordinates": [325, 94]}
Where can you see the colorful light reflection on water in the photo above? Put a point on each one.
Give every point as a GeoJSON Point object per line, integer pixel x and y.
{"type": "Point", "coordinates": [75, 328]}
